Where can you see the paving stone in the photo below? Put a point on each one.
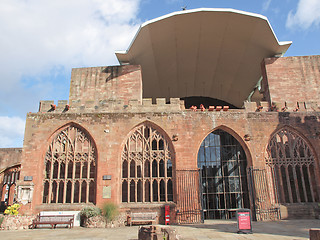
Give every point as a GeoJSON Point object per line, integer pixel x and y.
{"type": "Point", "coordinates": [211, 229]}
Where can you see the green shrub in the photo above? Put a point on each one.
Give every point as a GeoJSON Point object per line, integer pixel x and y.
{"type": "Point", "coordinates": [89, 212]}
{"type": "Point", "coordinates": [110, 211]}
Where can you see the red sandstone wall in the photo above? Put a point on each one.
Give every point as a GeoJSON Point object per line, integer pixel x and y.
{"type": "Point", "coordinates": [110, 130]}
{"type": "Point", "coordinates": [292, 79]}
{"type": "Point", "coordinates": [105, 83]}
{"type": "Point", "coordinates": [9, 157]}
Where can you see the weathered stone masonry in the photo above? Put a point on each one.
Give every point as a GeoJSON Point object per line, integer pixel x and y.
{"type": "Point", "coordinates": [106, 104]}
{"type": "Point", "coordinates": [109, 131]}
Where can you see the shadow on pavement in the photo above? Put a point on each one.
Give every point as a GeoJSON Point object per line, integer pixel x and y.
{"type": "Point", "coordinates": [294, 228]}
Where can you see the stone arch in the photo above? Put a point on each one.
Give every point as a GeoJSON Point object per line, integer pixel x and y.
{"type": "Point", "coordinates": [234, 134]}
{"type": "Point", "coordinates": [292, 162]}
{"type": "Point", "coordinates": [70, 151]}
{"type": "Point", "coordinates": [9, 178]}
{"type": "Point", "coordinates": [146, 150]}
{"type": "Point", "coordinates": [222, 161]}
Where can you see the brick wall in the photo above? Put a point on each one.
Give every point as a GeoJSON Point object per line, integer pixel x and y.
{"type": "Point", "coordinates": [9, 157]}
{"type": "Point", "coordinates": [110, 130]}
{"type": "Point", "coordinates": [102, 103]}
{"type": "Point", "coordinates": [97, 84]}
{"type": "Point", "coordinates": [292, 79]}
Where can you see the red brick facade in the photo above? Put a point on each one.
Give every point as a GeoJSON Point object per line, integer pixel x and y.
{"type": "Point", "coordinates": [292, 79]}
{"type": "Point", "coordinates": [107, 110]}
{"type": "Point", "coordinates": [9, 157]}
{"type": "Point", "coordinates": [93, 85]}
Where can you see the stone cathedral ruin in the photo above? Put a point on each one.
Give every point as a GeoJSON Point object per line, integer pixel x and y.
{"type": "Point", "coordinates": [203, 113]}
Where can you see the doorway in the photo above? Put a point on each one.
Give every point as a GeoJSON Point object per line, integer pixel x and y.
{"type": "Point", "coordinates": [223, 177]}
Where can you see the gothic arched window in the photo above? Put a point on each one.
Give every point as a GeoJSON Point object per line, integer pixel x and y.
{"type": "Point", "coordinates": [293, 166]}
{"type": "Point", "coordinates": [8, 184]}
{"type": "Point", "coordinates": [147, 167]}
{"type": "Point", "coordinates": [70, 168]}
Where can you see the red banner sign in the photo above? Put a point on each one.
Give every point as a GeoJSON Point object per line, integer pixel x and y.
{"type": "Point", "coordinates": [244, 221]}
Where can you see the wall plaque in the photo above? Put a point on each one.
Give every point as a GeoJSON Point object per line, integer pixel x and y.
{"type": "Point", "coordinates": [106, 192]}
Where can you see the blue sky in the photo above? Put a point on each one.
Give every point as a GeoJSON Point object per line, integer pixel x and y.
{"type": "Point", "coordinates": [42, 40]}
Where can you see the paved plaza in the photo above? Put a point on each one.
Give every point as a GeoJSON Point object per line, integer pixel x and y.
{"type": "Point", "coordinates": [211, 229]}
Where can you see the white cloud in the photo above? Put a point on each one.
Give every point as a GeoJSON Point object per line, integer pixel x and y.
{"type": "Point", "coordinates": [266, 5]}
{"type": "Point", "coordinates": [39, 37]}
{"type": "Point", "coordinates": [36, 34]}
{"type": "Point", "coordinates": [11, 131]}
{"type": "Point", "coordinates": [307, 14]}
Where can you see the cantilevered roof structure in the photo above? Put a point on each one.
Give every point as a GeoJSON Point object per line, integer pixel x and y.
{"type": "Point", "coordinates": [205, 52]}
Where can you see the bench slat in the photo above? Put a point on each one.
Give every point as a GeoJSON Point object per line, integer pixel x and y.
{"type": "Point", "coordinates": [146, 217]}
{"type": "Point", "coordinates": [53, 220]}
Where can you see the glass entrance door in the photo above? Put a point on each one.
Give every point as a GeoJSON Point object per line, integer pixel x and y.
{"type": "Point", "coordinates": [222, 163]}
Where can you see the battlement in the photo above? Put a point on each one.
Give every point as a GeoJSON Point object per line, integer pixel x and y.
{"type": "Point", "coordinates": [161, 105]}
{"type": "Point", "coordinates": [282, 107]}
{"type": "Point", "coordinates": [134, 105]}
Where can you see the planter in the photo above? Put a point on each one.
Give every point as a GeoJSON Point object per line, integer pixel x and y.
{"type": "Point", "coordinates": [94, 222]}
{"type": "Point", "coordinates": [100, 222]}
{"type": "Point", "coordinates": [18, 222]}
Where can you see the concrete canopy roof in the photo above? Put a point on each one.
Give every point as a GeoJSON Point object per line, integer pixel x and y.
{"type": "Point", "coordinates": [213, 53]}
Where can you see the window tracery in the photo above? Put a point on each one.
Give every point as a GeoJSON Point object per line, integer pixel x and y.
{"type": "Point", "coordinates": [9, 179]}
{"type": "Point", "coordinates": [70, 168]}
{"type": "Point", "coordinates": [293, 166]}
{"type": "Point", "coordinates": [147, 167]}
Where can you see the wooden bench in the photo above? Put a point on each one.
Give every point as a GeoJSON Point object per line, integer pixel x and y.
{"type": "Point", "coordinates": [143, 218]}
{"type": "Point", "coordinates": [52, 220]}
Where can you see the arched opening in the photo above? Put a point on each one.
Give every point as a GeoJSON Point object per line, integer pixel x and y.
{"type": "Point", "coordinates": [124, 191]}
{"type": "Point", "coordinates": [72, 157]}
{"type": "Point", "coordinates": [60, 194]}
{"type": "Point", "coordinates": [222, 163]}
{"type": "Point", "coordinates": [8, 184]}
{"type": "Point", "coordinates": [76, 192]}
{"type": "Point", "coordinates": [293, 166]}
{"type": "Point", "coordinates": [148, 156]}
{"type": "Point", "coordinates": [84, 191]}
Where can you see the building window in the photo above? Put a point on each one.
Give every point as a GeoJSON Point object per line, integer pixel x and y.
{"type": "Point", "coordinates": [292, 165]}
{"type": "Point", "coordinates": [147, 167]}
{"type": "Point", "coordinates": [222, 163]}
{"type": "Point", "coordinates": [8, 185]}
{"type": "Point", "coordinates": [70, 168]}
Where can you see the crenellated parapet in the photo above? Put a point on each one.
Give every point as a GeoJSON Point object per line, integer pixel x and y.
{"type": "Point", "coordinates": [281, 106]}
{"type": "Point", "coordinates": [161, 105]}
{"type": "Point", "coordinates": [146, 105]}
{"type": "Point", "coordinates": [50, 106]}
